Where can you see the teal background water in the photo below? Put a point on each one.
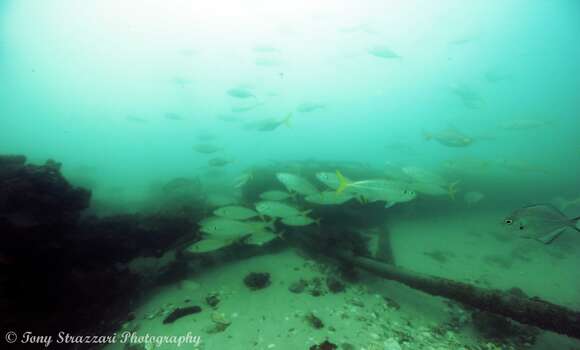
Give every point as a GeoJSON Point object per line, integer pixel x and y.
{"type": "Point", "coordinates": [72, 72]}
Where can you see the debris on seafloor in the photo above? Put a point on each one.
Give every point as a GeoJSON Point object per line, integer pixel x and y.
{"type": "Point", "coordinates": [181, 312]}
{"type": "Point", "coordinates": [257, 280]}
{"type": "Point", "coordinates": [314, 321]}
{"type": "Point", "coordinates": [212, 299]}
{"type": "Point", "coordinates": [325, 345]}
{"type": "Point", "coordinates": [220, 323]}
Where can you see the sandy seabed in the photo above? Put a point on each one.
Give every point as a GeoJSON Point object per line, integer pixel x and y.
{"type": "Point", "coordinates": [371, 313]}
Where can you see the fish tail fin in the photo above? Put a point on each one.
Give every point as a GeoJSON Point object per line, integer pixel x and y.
{"type": "Point", "coordinates": [317, 222]}
{"type": "Point", "coordinates": [427, 135]}
{"type": "Point", "coordinates": [575, 223]}
{"type": "Point", "coordinates": [452, 189]}
{"type": "Point", "coordinates": [343, 182]}
{"type": "Point", "coordinates": [281, 234]}
{"type": "Point", "coordinates": [286, 120]}
{"type": "Point", "coordinates": [271, 224]}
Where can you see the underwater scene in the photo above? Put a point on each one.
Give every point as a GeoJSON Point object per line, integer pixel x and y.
{"type": "Point", "coordinates": [290, 175]}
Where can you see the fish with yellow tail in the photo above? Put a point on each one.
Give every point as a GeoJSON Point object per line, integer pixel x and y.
{"type": "Point", "coordinates": [273, 124]}
{"type": "Point", "coordinates": [379, 190]}
{"type": "Point", "coordinates": [435, 189]}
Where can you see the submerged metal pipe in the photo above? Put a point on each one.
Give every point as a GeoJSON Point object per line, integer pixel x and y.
{"type": "Point", "coordinates": [530, 311]}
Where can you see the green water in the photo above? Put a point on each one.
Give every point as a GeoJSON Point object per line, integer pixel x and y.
{"type": "Point", "coordinates": [120, 92]}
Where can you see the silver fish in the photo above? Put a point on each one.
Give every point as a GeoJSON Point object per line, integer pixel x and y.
{"type": "Point", "coordinates": [469, 96]}
{"type": "Point", "coordinates": [206, 148]}
{"type": "Point", "coordinates": [240, 92]}
{"type": "Point", "coordinates": [309, 106]}
{"type": "Point", "coordinates": [382, 51]}
{"type": "Point", "coordinates": [329, 198]}
{"type": "Point", "coordinates": [235, 212]}
{"type": "Point", "coordinates": [295, 183]}
{"type": "Point", "coordinates": [299, 220]}
{"type": "Point", "coordinates": [278, 209]}
{"type": "Point", "coordinates": [541, 222]}
{"type": "Point", "coordinates": [449, 137]}
{"type": "Point", "coordinates": [276, 195]}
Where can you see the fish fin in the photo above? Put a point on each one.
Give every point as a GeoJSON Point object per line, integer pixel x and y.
{"type": "Point", "coordinates": [389, 204]}
{"type": "Point", "coordinates": [343, 182]}
{"type": "Point", "coordinates": [293, 196]}
{"type": "Point", "coordinates": [241, 239]}
{"type": "Point", "coordinates": [575, 222]}
{"type": "Point", "coordinates": [271, 224]}
{"type": "Point", "coordinates": [281, 234]}
{"type": "Point", "coordinates": [317, 222]}
{"type": "Point", "coordinates": [286, 120]}
{"type": "Point", "coordinates": [550, 237]}
{"type": "Point", "coordinates": [452, 189]}
{"type": "Point", "coordinates": [306, 212]}
{"type": "Point", "coordinates": [427, 136]}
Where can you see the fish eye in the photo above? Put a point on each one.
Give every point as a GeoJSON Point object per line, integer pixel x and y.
{"type": "Point", "coordinates": [521, 227]}
{"type": "Point", "coordinates": [509, 221]}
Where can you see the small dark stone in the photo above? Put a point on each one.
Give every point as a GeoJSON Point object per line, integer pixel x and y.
{"type": "Point", "coordinates": [347, 346]}
{"type": "Point", "coordinates": [212, 299]}
{"type": "Point", "coordinates": [298, 286]}
{"type": "Point", "coordinates": [335, 285]}
{"type": "Point", "coordinates": [181, 312]}
{"type": "Point", "coordinates": [316, 292]}
{"type": "Point", "coordinates": [326, 345]}
{"type": "Point", "coordinates": [314, 321]}
{"type": "Point", "coordinates": [316, 287]}
{"type": "Point", "coordinates": [257, 280]}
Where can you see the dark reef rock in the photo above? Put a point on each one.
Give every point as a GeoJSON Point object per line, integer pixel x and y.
{"type": "Point", "coordinates": [335, 285]}
{"type": "Point", "coordinates": [35, 195]}
{"type": "Point", "coordinates": [257, 280]}
{"type": "Point", "coordinates": [181, 312]}
{"type": "Point", "coordinates": [61, 270]}
{"type": "Point", "coordinates": [316, 288]}
{"type": "Point", "coordinates": [325, 345]}
{"type": "Point", "coordinates": [121, 238]}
